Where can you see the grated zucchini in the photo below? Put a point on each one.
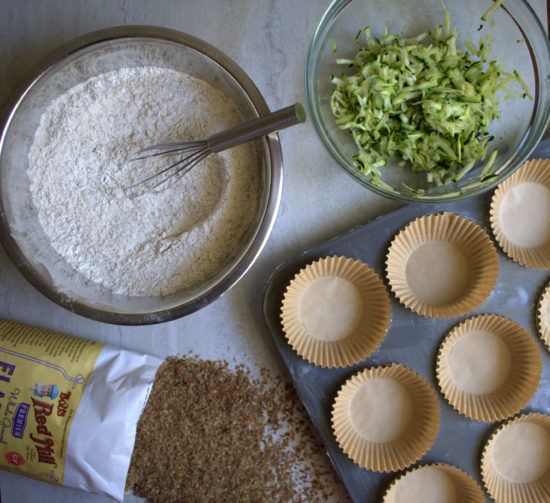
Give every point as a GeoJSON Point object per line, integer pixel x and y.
{"type": "Point", "coordinates": [423, 100]}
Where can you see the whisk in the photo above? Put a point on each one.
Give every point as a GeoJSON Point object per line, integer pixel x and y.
{"type": "Point", "coordinates": [188, 154]}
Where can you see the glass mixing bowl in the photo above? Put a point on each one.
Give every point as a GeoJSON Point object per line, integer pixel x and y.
{"type": "Point", "coordinates": [519, 41]}
{"type": "Point", "coordinates": [20, 231]}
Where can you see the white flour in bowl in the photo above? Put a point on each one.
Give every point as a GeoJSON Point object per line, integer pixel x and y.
{"type": "Point", "coordinates": [158, 243]}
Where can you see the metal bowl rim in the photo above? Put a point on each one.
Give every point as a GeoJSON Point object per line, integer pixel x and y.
{"type": "Point", "coordinates": [262, 233]}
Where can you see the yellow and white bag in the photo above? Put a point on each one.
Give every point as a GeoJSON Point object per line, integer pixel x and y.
{"type": "Point", "coordinates": [69, 407]}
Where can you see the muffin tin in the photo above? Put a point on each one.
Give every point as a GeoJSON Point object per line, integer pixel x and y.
{"type": "Point", "coordinates": [412, 340]}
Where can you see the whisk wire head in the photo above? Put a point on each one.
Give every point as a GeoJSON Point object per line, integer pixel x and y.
{"type": "Point", "coordinates": [165, 149]}
{"type": "Point", "coordinates": [188, 156]}
{"type": "Point", "coordinates": [183, 166]}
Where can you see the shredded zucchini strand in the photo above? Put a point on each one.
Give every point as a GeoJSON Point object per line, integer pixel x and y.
{"type": "Point", "coordinates": [490, 10]}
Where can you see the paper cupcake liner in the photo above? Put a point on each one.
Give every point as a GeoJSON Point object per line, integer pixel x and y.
{"type": "Point", "coordinates": [465, 488]}
{"type": "Point", "coordinates": [442, 266]}
{"type": "Point", "coordinates": [543, 317]}
{"type": "Point", "coordinates": [346, 323]}
{"type": "Point", "coordinates": [504, 490]}
{"type": "Point", "coordinates": [408, 442]}
{"type": "Point", "coordinates": [531, 248]}
{"type": "Point", "coordinates": [507, 373]}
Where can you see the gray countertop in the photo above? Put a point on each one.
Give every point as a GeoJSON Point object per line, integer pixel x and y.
{"type": "Point", "coordinates": [268, 39]}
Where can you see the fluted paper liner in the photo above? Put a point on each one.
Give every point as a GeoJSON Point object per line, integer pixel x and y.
{"type": "Point", "coordinates": [442, 265]}
{"type": "Point", "coordinates": [344, 323]}
{"type": "Point", "coordinates": [543, 317]}
{"type": "Point", "coordinates": [520, 214]}
{"type": "Point", "coordinates": [499, 380]}
{"type": "Point", "coordinates": [505, 490]}
{"type": "Point", "coordinates": [466, 489]}
{"type": "Point", "coordinates": [410, 443]}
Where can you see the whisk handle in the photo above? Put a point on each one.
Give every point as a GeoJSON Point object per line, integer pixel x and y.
{"type": "Point", "coordinates": [255, 128]}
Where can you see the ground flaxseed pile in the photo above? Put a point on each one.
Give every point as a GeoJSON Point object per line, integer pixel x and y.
{"type": "Point", "coordinates": [214, 434]}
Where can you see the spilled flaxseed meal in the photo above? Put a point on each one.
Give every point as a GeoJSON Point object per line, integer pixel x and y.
{"type": "Point", "coordinates": [210, 433]}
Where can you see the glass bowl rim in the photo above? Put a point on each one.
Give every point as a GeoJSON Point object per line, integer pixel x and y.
{"type": "Point", "coordinates": [527, 145]}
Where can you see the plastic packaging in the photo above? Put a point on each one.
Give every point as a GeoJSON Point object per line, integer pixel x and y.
{"type": "Point", "coordinates": [69, 407]}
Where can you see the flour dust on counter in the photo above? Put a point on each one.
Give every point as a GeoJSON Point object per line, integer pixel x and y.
{"type": "Point", "coordinates": [159, 242]}
{"type": "Point", "coordinates": [212, 433]}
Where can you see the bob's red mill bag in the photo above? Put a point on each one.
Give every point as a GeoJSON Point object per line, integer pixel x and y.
{"type": "Point", "coordinates": [69, 407]}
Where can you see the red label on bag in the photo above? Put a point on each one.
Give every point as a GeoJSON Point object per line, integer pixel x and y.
{"type": "Point", "coordinates": [14, 458]}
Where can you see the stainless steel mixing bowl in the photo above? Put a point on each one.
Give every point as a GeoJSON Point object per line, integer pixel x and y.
{"type": "Point", "coordinates": [20, 231]}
